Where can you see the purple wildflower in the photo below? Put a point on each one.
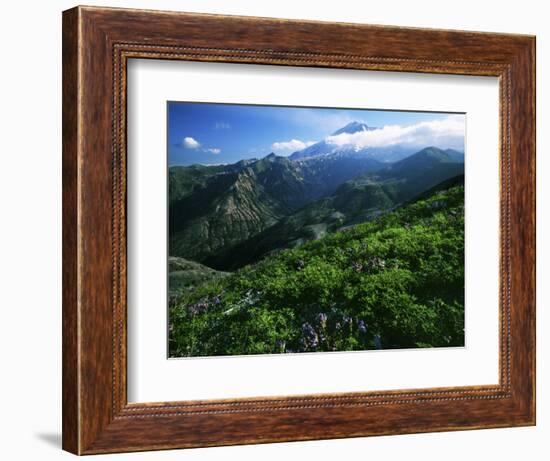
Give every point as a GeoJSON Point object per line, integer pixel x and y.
{"type": "Point", "coordinates": [309, 339]}
{"type": "Point", "coordinates": [198, 307]}
{"type": "Point", "coordinates": [280, 345]}
{"type": "Point", "coordinates": [322, 319]}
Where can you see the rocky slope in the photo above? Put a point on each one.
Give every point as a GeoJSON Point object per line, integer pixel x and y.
{"type": "Point", "coordinates": [212, 208]}
{"type": "Point", "coordinates": [357, 200]}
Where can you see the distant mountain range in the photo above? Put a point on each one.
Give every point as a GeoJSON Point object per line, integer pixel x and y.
{"type": "Point", "coordinates": [226, 216]}
{"type": "Point", "coordinates": [386, 154]}
{"type": "Point", "coordinates": [213, 207]}
{"type": "Point", "coordinates": [357, 200]}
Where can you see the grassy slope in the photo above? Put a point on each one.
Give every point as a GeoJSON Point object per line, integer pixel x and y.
{"type": "Point", "coordinates": [185, 275]}
{"type": "Point", "coordinates": [394, 282]}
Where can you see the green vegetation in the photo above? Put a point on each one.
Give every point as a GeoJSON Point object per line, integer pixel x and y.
{"type": "Point", "coordinates": [214, 208]}
{"type": "Point", "coordinates": [363, 198]}
{"type": "Point", "coordinates": [396, 281]}
{"type": "Point", "coordinates": [185, 276]}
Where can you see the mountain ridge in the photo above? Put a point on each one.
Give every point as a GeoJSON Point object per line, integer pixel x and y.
{"type": "Point", "coordinates": [385, 154]}
{"type": "Point", "coordinates": [224, 205]}
{"type": "Point", "coordinates": [357, 200]}
{"type": "Point", "coordinates": [214, 209]}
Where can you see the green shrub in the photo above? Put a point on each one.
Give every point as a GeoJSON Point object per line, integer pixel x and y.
{"type": "Point", "coordinates": [394, 282]}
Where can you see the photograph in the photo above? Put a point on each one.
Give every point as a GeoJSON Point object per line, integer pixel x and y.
{"type": "Point", "coordinates": [313, 229]}
{"type": "Point", "coordinates": [273, 223]}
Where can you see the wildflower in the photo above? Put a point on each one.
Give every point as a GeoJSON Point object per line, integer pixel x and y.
{"type": "Point", "coordinates": [309, 339]}
{"type": "Point", "coordinates": [322, 319]}
{"type": "Point", "coordinates": [437, 204]}
{"type": "Point", "coordinates": [280, 345]}
{"type": "Point", "coordinates": [347, 321]}
{"type": "Point", "coordinates": [198, 307]}
{"type": "Point", "coordinates": [357, 266]}
{"type": "Point", "coordinates": [376, 263]}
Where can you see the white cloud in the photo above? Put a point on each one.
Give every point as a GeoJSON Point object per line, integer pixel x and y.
{"type": "Point", "coordinates": [292, 145]}
{"type": "Point", "coordinates": [222, 126]}
{"type": "Point", "coordinates": [445, 133]}
{"type": "Point", "coordinates": [190, 143]}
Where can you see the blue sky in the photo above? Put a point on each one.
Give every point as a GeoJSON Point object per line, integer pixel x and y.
{"type": "Point", "coordinates": [226, 133]}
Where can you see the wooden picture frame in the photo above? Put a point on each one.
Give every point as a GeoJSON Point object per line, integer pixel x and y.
{"type": "Point", "coordinates": [97, 43]}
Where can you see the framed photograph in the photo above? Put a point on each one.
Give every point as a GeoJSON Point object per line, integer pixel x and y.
{"type": "Point", "coordinates": [280, 230]}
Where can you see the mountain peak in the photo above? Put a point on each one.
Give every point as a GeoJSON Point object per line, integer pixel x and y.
{"type": "Point", "coordinates": [424, 158]}
{"type": "Point", "coordinates": [435, 153]}
{"type": "Point", "coordinates": [274, 158]}
{"type": "Point", "coordinates": [352, 127]}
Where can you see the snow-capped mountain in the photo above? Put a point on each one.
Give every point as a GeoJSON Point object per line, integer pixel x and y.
{"type": "Point", "coordinates": [341, 144]}
{"type": "Point", "coordinates": [325, 147]}
{"type": "Point", "coordinates": [353, 127]}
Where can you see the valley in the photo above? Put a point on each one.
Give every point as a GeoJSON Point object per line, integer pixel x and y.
{"type": "Point", "coordinates": [229, 216]}
{"type": "Point", "coordinates": [324, 249]}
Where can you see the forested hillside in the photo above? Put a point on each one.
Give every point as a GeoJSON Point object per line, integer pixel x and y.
{"type": "Point", "coordinates": [396, 281]}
